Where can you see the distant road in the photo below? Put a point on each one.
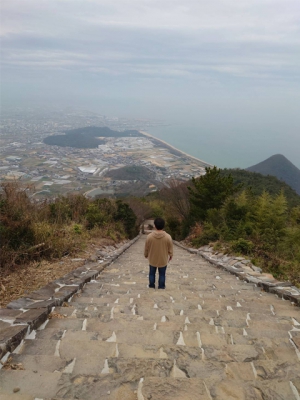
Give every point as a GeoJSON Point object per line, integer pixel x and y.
{"type": "Point", "coordinates": [174, 148]}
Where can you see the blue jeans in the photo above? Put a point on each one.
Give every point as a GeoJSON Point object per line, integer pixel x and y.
{"type": "Point", "coordinates": [161, 279]}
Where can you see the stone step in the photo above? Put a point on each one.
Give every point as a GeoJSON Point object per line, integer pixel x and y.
{"type": "Point", "coordinates": [192, 389]}
{"type": "Point", "coordinates": [62, 342]}
{"type": "Point", "coordinates": [210, 336]}
{"type": "Point", "coordinates": [254, 390]}
{"type": "Point", "coordinates": [68, 349]}
{"type": "Point", "coordinates": [207, 336]}
{"type": "Point", "coordinates": [174, 388]}
{"type": "Point", "coordinates": [271, 326]}
{"type": "Point", "coordinates": [28, 362]}
{"type": "Point", "coordinates": [53, 386]}
{"type": "Point", "coordinates": [131, 368]}
{"type": "Point", "coordinates": [276, 370]}
{"type": "Point", "coordinates": [16, 396]}
{"type": "Point", "coordinates": [41, 384]}
{"type": "Point", "coordinates": [266, 333]}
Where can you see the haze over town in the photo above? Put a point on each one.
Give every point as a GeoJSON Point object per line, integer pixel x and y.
{"type": "Point", "coordinates": [222, 76]}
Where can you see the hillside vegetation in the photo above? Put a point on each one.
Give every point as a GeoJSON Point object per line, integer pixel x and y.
{"type": "Point", "coordinates": [251, 217]}
{"type": "Point", "coordinates": [282, 168]}
{"type": "Point", "coordinates": [131, 172]}
{"type": "Point", "coordinates": [214, 208]}
{"type": "Point", "coordinates": [259, 183]}
{"type": "Point", "coordinates": [87, 137]}
{"type": "Point", "coordinates": [51, 229]}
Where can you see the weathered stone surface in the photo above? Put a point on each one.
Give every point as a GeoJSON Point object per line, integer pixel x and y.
{"type": "Point", "coordinates": [42, 304]}
{"type": "Point", "coordinates": [207, 336]}
{"type": "Point", "coordinates": [40, 384]}
{"type": "Point", "coordinates": [16, 396]}
{"type": "Point", "coordinates": [41, 363]}
{"type": "Point", "coordinates": [22, 302]}
{"type": "Point", "coordinates": [4, 325]}
{"type": "Point", "coordinates": [44, 293]}
{"type": "Point", "coordinates": [168, 388]}
{"type": "Point", "coordinates": [236, 390]}
{"type": "Point", "coordinates": [269, 369]}
{"type": "Point", "coordinates": [91, 387]}
{"type": "Point", "coordinates": [9, 314]}
{"type": "Point", "coordinates": [276, 390]}
{"type": "Point", "coordinates": [33, 318]}
{"type": "Point", "coordinates": [10, 337]}
{"type": "Point", "coordinates": [232, 262]}
{"type": "Point", "coordinates": [296, 341]}
{"type": "Point", "coordinates": [65, 292]}
{"type": "Point", "coordinates": [256, 269]}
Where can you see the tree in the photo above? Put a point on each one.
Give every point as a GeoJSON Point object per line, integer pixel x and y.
{"type": "Point", "coordinates": [210, 191]}
{"type": "Point", "coordinates": [270, 219]}
{"type": "Point", "coordinates": [177, 197]}
{"type": "Point", "coordinates": [141, 209]}
{"type": "Point", "coordinates": [125, 214]}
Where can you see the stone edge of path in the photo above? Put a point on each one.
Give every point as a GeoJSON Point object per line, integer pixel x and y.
{"type": "Point", "coordinates": [245, 270]}
{"type": "Point", "coordinates": [26, 314]}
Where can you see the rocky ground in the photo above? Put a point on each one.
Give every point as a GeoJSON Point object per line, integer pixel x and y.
{"type": "Point", "coordinates": [207, 336]}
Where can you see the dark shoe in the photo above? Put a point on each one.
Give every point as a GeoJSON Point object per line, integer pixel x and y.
{"type": "Point", "coordinates": [161, 287]}
{"type": "Point", "coordinates": [151, 286]}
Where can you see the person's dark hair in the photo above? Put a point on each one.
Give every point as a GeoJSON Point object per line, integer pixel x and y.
{"type": "Point", "coordinates": [159, 223]}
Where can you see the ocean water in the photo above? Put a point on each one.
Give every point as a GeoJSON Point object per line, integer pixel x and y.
{"type": "Point", "coordinates": [208, 147]}
{"type": "Point", "coordinates": [231, 148]}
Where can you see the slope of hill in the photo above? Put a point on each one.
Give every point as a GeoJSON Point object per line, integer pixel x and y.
{"type": "Point", "coordinates": [87, 137]}
{"type": "Point", "coordinates": [131, 173]}
{"type": "Point", "coordinates": [258, 183]}
{"type": "Point", "coordinates": [282, 168]}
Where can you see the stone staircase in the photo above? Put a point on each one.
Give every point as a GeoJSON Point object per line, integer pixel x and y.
{"type": "Point", "coordinates": [207, 336]}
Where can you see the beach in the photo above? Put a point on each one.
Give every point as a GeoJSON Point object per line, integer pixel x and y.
{"type": "Point", "coordinates": [206, 164]}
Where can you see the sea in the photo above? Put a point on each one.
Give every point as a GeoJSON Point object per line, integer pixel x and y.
{"type": "Point", "coordinates": [203, 145]}
{"type": "Point", "coordinates": [226, 149]}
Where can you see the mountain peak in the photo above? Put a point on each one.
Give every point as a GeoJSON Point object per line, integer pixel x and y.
{"type": "Point", "coordinates": [278, 165]}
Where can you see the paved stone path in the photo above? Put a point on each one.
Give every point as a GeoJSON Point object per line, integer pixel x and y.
{"type": "Point", "coordinates": [207, 336]}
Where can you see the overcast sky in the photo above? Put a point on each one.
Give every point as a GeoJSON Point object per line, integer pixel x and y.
{"type": "Point", "coordinates": [228, 68]}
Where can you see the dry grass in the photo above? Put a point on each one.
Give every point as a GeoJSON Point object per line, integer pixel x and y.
{"type": "Point", "coordinates": [24, 279]}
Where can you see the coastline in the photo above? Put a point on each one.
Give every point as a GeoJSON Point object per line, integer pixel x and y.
{"type": "Point", "coordinates": [174, 148]}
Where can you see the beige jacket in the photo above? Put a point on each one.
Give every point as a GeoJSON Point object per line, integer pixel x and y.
{"type": "Point", "coordinates": [158, 248]}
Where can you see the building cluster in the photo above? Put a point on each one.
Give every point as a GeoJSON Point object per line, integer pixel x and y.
{"type": "Point", "coordinates": [54, 170]}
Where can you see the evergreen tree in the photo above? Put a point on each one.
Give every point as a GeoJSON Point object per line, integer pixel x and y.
{"type": "Point", "coordinates": [270, 219]}
{"type": "Point", "coordinates": [210, 191]}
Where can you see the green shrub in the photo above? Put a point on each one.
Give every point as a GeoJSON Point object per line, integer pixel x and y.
{"type": "Point", "coordinates": [94, 216]}
{"type": "Point", "coordinates": [60, 211]}
{"type": "Point", "coordinates": [209, 234]}
{"type": "Point", "coordinates": [242, 246]}
{"type": "Point", "coordinates": [125, 214]}
{"type": "Point", "coordinates": [77, 229]}
{"type": "Point", "coordinates": [31, 231]}
{"type": "Point", "coordinates": [173, 227]}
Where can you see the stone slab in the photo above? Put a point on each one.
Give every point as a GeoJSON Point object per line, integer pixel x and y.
{"type": "Point", "coordinates": [33, 318]}
{"type": "Point", "coordinates": [10, 337]}
{"type": "Point", "coordinates": [95, 387]}
{"type": "Point", "coordinates": [16, 396]}
{"type": "Point", "coordinates": [44, 293]}
{"type": "Point", "coordinates": [40, 384]}
{"type": "Point", "coordinates": [9, 314]}
{"type": "Point", "coordinates": [296, 341]}
{"type": "Point", "coordinates": [174, 389]}
{"type": "Point", "coordinates": [39, 362]}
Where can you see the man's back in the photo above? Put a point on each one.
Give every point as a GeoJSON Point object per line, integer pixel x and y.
{"type": "Point", "coordinates": [158, 248]}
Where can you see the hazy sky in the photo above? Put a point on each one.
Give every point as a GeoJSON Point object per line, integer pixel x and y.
{"type": "Point", "coordinates": [228, 69]}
